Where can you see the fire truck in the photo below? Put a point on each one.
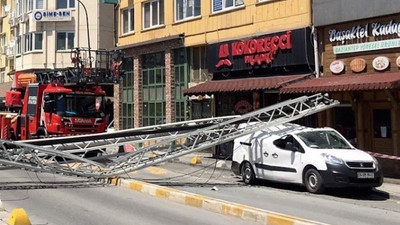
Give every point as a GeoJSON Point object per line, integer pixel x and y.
{"type": "Point", "coordinates": [62, 102]}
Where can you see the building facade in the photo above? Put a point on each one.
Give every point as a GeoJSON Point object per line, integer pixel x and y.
{"type": "Point", "coordinates": [44, 32]}
{"type": "Point", "coordinates": [361, 68]}
{"type": "Point", "coordinates": [6, 59]}
{"type": "Point", "coordinates": [172, 48]}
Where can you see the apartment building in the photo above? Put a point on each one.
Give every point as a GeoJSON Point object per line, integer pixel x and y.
{"type": "Point", "coordinates": [44, 32]}
{"type": "Point", "coordinates": [188, 59]}
{"type": "Point", "coordinates": [6, 59]}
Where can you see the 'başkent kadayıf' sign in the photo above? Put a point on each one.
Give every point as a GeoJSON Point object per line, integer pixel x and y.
{"type": "Point", "coordinates": [365, 31]}
{"type": "Point", "coordinates": [273, 50]}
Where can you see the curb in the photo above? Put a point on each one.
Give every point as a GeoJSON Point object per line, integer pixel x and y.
{"type": "Point", "coordinates": [215, 205]}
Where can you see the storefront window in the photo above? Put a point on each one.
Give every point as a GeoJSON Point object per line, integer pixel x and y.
{"type": "Point", "coordinates": [127, 95]}
{"type": "Point", "coordinates": [198, 64]}
{"type": "Point", "coordinates": [382, 123]}
{"type": "Point", "coordinates": [153, 75]}
{"type": "Point", "coordinates": [344, 122]}
{"type": "Point", "coordinates": [181, 81]}
{"type": "Point", "coordinates": [234, 104]}
{"type": "Point", "coordinates": [201, 109]}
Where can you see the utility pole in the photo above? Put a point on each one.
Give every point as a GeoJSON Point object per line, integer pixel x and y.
{"type": "Point", "coordinates": [88, 33]}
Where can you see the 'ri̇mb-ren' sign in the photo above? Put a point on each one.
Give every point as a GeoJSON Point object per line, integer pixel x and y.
{"type": "Point", "coordinates": [273, 50]}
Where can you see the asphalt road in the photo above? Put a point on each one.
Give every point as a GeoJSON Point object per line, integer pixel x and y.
{"type": "Point", "coordinates": [52, 199]}
{"type": "Point", "coordinates": [49, 199]}
{"type": "Point", "coordinates": [336, 206]}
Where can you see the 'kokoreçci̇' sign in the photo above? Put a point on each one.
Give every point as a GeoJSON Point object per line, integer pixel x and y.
{"type": "Point", "coordinates": [285, 48]}
{"type": "Point", "coordinates": [255, 51]}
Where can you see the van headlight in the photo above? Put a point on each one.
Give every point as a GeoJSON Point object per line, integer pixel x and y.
{"type": "Point", "coordinates": [332, 159]}
{"type": "Point", "coordinates": [375, 162]}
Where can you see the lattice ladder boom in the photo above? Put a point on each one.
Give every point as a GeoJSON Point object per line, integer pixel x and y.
{"type": "Point", "coordinates": [274, 115]}
{"type": "Point", "coordinates": [168, 147]}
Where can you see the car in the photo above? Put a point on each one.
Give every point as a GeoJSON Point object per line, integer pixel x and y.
{"type": "Point", "coordinates": [317, 158]}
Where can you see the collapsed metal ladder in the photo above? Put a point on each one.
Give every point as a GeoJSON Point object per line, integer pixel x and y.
{"type": "Point", "coordinates": [167, 147]}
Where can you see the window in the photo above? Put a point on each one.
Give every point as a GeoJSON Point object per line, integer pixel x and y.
{"type": "Point", "coordinates": [153, 74]}
{"type": "Point", "coordinates": [128, 21]}
{"type": "Point", "coordinates": [153, 14]}
{"type": "Point", "coordinates": [3, 41]}
{"type": "Point", "coordinates": [382, 123]}
{"type": "Point", "coordinates": [65, 4]}
{"type": "Point", "coordinates": [127, 115]}
{"type": "Point", "coordinates": [33, 4]}
{"type": "Point", "coordinates": [18, 7]}
{"type": "Point", "coordinates": [65, 40]}
{"type": "Point", "coordinates": [187, 9]}
{"type": "Point", "coordinates": [33, 41]}
{"type": "Point", "coordinates": [19, 46]}
{"type": "Point", "coordinates": [220, 5]}
{"type": "Point", "coordinates": [181, 81]}
{"type": "Point", "coordinates": [2, 76]}
{"type": "Point", "coordinates": [198, 64]}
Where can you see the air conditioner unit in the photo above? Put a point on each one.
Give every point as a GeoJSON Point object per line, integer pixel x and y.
{"type": "Point", "coordinates": [12, 22]}
{"type": "Point", "coordinates": [24, 18]}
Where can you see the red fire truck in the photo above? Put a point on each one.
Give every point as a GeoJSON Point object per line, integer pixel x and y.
{"type": "Point", "coordinates": [61, 102]}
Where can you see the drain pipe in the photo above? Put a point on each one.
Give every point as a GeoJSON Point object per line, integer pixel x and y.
{"type": "Point", "coordinates": [316, 55]}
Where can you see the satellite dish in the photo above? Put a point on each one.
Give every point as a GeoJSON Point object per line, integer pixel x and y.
{"type": "Point", "coordinates": [7, 8]}
{"type": "Point", "coordinates": [12, 43]}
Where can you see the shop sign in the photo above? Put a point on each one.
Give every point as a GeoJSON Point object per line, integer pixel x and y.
{"type": "Point", "coordinates": [369, 46]}
{"type": "Point", "coordinates": [273, 50]}
{"type": "Point", "coordinates": [254, 51]}
{"type": "Point", "coordinates": [51, 15]}
{"type": "Point", "coordinates": [362, 31]}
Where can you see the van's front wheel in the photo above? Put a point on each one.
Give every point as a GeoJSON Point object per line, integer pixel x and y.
{"type": "Point", "coordinates": [248, 174]}
{"type": "Point", "coordinates": [313, 181]}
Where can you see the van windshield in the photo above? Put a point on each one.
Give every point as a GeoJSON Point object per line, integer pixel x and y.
{"type": "Point", "coordinates": [323, 139]}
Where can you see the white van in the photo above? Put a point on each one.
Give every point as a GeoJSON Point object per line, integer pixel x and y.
{"type": "Point", "coordinates": [313, 157]}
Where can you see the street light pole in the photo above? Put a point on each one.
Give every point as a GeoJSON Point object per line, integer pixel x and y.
{"type": "Point", "coordinates": [88, 35]}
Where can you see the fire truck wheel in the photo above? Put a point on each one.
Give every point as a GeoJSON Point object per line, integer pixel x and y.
{"type": "Point", "coordinates": [41, 133]}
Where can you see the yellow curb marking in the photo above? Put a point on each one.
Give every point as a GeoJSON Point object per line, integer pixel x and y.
{"type": "Point", "coordinates": [194, 201]}
{"type": "Point", "coordinates": [162, 193]}
{"type": "Point", "coordinates": [278, 220]}
{"type": "Point", "coordinates": [113, 181]}
{"type": "Point", "coordinates": [135, 186]}
{"type": "Point", "coordinates": [232, 210]}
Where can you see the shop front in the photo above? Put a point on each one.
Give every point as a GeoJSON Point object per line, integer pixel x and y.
{"type": "Point", "coordinates": [247, 74]}
{"type": "Point", "coordinates": [361, 62]}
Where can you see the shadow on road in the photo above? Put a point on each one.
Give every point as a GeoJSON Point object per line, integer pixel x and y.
{"type": "Point", "coordinates": [25, 185]}
{"type": "Point", "coordinates": [349, 193]}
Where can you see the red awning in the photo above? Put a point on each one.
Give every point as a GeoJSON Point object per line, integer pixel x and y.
{"type": "Point", "coordinates": [346, 83]}
{"type": "Point", "coordinates": [245, 84]}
